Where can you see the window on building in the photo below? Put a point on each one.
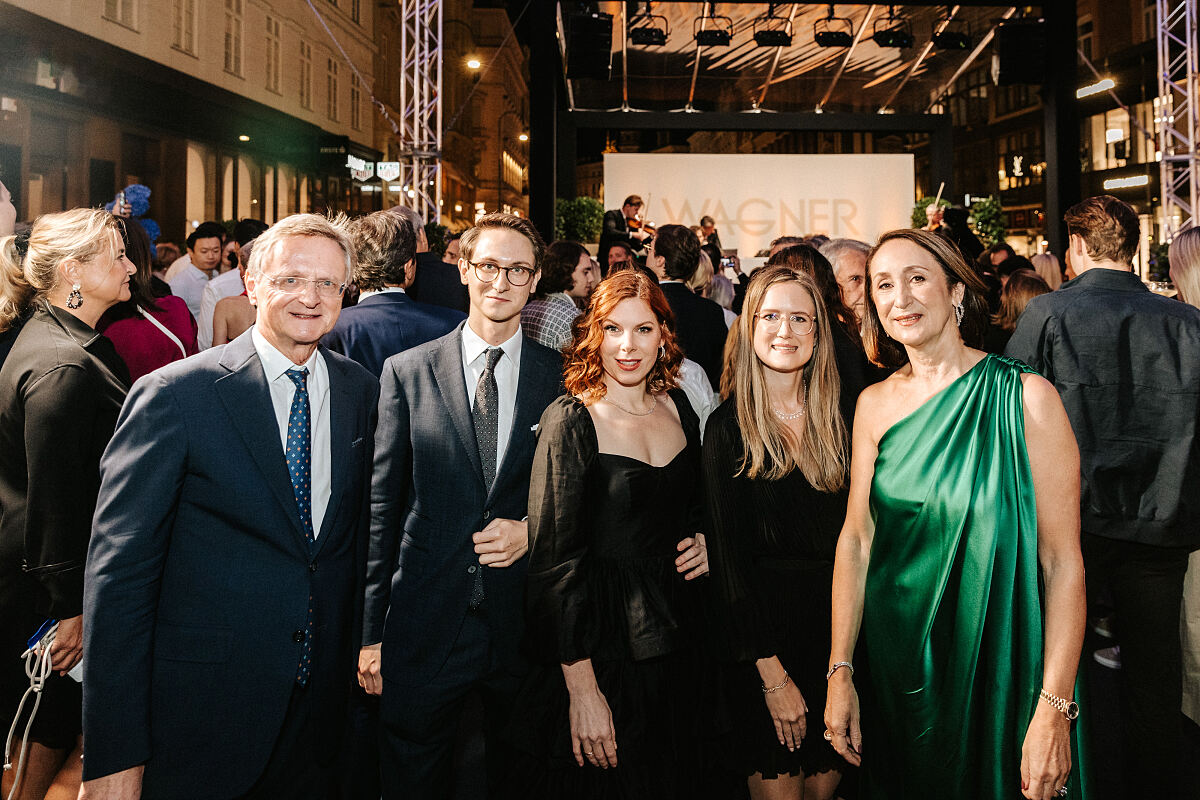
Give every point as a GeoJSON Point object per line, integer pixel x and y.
{"type": "Point", "coordinates": [356, 10]}
{"type": "Point", "coordinates": [233, 36]}
{"type": "Point", "coordinates": [1149, 19]}
{"type": "Point", "coordinates": [381, 83]}
{"type": "Point", "coordinates": [1086, 29]}
{"type": "Point", "coordinates": [306, 75]}
{"type": "Point", "coordinates": [355, 102]}
{"type": "Point", "coordinates": [121, 11]}
{"type": "Point", "coordinates": [273, 54]}
{"type": "Point", "coordinates": [331, 87]}
{"type": "Point", "coordinates": [185, 26]}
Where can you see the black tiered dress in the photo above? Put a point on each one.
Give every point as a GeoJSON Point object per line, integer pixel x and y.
{"type": "Point", "coordinates": [770, 547]}
{"type": "Point", "coordinates": [603, 585]}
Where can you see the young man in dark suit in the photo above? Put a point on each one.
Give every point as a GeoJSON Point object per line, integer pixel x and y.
{"type": "Point", "coordinates": [224, 574]}
{"type": "Point", "coordinates": [446, 572]}
{"type": "Point", "coordinates": [699, 322]}
{"type": "Point", "coordinates": [434, 282]}
{"type": "Point", "coordinates": [386, 320]}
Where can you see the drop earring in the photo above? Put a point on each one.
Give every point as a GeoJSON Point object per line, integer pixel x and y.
{"type": "Point", "coordinates": [74, 299]}
{"type": "Point", "coordinates": [662, 352]}
{"type": "Point", "coordinates": [958, 315]}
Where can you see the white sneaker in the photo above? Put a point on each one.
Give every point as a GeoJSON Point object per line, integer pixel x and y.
{"type": "Point", "coordinates": [1109, 657]}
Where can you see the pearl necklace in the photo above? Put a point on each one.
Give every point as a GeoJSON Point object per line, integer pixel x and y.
{"type": "Point", "coordinates": [653, 405]}
{"type": "Point", "coordinates": [794, 414]}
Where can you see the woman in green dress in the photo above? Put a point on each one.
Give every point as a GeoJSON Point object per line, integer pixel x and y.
{"type": "Point", "coordinates": [959, 558]}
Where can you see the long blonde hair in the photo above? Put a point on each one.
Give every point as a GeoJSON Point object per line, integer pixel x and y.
{"type": "Point", "coordinates": [1184, 257]}
{"type": "Point", "coordinates": [1048, 267]}
{"type": "Point", "coordinates": [771, 451]}
{"type": "Point", "coordinates": [81, 234]}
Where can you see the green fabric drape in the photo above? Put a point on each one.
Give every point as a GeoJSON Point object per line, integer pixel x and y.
{"type": "Point", "coordinates": [952, 619]}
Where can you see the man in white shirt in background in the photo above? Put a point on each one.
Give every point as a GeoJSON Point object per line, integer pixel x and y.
{"type": "Point", "coordinates": [204, 247]}
{"type": "Point", "coordinates": [227, 284]}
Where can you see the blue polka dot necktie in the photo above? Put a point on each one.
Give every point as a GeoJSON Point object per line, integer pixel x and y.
{"type": "Point", "coordinates": [299, 464]}
{"type": "Point", "coordinates": [486, 416]}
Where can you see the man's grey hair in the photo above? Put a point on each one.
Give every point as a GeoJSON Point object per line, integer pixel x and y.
{"type": "Point", "coordinates": [301, 225]}
{"type": "Point", "coordinates": [834, 249]}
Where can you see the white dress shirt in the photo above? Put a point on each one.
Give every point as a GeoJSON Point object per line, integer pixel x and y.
{"type": "Point", "coordinates": [699, 391]}
{"type": "Point", "coordinates": [508, 370]}
{"type": "Point", "coordinates": [275, 364]}
{"type": "Point", "coordinates": [178, 266]}
{"type": "Point", "coordinates": [363, 295]}
{"type": "Point", "coordinates": [227, 284]}
{"type": "Point", "coordinates": [189, 286]}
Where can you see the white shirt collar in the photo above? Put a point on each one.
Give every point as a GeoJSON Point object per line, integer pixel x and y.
{"type": "Point", "coordinates": [473, 345]}
{"type": "Point", "coordinates": [385, 290]}
{"type": "Point", "coordinates": [276, 363]}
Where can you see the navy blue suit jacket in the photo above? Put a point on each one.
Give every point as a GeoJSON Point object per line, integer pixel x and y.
{"type": "Point", "coordinates": [199, 577]}
{"type": "Point", "coordinates": [439, 283]}
{"type": "Point", "coordinates": [383, 325]}
{"type": "Point", "coordinates": [428, 498]}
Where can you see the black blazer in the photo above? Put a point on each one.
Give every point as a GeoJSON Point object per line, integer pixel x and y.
{"type": "Point", "coordinates": [385, 324]}
{"type": "Point", "coordinates": [199, 577]}
{"type": "Point", "coordinates": [428, 498]}
{"type": "Point", "coordinates": [615, 229]}
{"type": "Point", "coordinates": [439, 284]}
{"type": "Point", "coordinates": [61, 388]}
{"type": "Point", "coordinates": [700, 326]}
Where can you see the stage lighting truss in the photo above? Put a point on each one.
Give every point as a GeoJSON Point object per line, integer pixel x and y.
{"type": "Point", "coordinates": [717, 32]}
{"type": "Point", "coordinates": [833, 31]}
{"type": "Point", "coordinates": [772, 31]}
{"type": "Point", "coordinates": [892, 31]}
{"type": "Point", "coordinates": [955, 34]}
{"type": "Point", "coordinates": [649, 30]}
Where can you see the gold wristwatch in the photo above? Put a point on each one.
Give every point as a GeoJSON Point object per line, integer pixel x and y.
{"type": "Point", "coordinates": [1068, 708]}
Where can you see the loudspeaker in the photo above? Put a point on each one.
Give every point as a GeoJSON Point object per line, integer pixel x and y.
{"type": "Point", "coordinates": [1019, 52]}
{"type": "Point", "coordinates": [589, 45]}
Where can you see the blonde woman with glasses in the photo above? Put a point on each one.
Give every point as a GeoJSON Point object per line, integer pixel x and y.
{"type": "Point", "coordinates": [775, 473]}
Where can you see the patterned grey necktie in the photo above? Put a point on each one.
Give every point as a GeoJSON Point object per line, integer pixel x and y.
{"type": "Point", "coordinates": [486, 416]}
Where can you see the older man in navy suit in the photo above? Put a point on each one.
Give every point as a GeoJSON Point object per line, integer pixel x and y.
{"type": "Point", "coordinates": [386, 320]}
{"type": "Point", "coordinates": [446, 574]}
{"type": "Point", "coordinates": [224, 577]}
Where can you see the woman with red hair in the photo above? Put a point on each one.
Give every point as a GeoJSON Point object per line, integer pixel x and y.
{"type": "Point", "coordinates": [614, 510]}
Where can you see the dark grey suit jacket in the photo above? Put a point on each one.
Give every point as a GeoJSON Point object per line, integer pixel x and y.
{"type": "Point", "coordinates": [199, 576]}
{"type": "Point", "coordinates": [428, 498]}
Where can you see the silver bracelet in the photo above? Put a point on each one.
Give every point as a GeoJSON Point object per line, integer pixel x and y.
{"type": "Point", "coordinates": [838, 666]}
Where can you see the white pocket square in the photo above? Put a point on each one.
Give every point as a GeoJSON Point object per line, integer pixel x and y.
{"type": "Point", "coordinates": [534, 428]}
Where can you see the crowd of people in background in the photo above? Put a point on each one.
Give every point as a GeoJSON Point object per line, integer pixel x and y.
{"type": "Point", "coordinates": [293, 494]}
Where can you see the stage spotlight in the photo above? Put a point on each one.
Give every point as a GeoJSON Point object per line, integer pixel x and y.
{"type": "Point", "coordinates": [719, 35]}
{"type": "Point", "coordinates": [833, 31]}
{"type": "Point", "coordinates": [772, 31]}
{"type": "Point", "coordinates": [648, 33]}
{"type": "Point", "coordinates": [892, 31]}
{"type": "Point", "coordinates": [955, 35]}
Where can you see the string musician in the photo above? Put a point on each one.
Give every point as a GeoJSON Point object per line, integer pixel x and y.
{"type": "Point", "coordinates": [624, 225]}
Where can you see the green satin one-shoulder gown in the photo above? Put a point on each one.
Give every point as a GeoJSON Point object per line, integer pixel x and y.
{"type": "Point", "coordinates": [952, 618]}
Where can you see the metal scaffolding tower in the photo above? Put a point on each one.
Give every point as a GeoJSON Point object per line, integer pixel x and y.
{"type": "Point", "coordinates": [1177, 113]}
{"type": "Point", "coordinates": [421, 105]}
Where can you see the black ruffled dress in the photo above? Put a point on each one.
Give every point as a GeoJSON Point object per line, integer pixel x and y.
{"type": "Point", "coordinates": [603, 585]}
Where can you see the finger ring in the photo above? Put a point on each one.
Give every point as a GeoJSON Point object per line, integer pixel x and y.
{"type": "Point", "coordinates": [588, 753]}
{"type": "Point", "coordinates": [829, 736]}
{"type": "Point", "coordinates": [1061, 791]}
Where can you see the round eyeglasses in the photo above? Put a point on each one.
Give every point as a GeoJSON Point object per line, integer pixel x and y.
{"type": "Point", "coordinates": [487, 272]}
{"type": "Point", "coordinates": [290, 284]}
{"type": "Point", "coordinates": [799, 324]}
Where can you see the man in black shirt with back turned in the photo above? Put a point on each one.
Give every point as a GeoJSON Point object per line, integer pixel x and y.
{"type": "Point", "coordinates": [1127, 365]}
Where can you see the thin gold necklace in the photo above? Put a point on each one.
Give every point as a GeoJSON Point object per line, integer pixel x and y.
{"type": "Point", "coordinates": [653, 405]}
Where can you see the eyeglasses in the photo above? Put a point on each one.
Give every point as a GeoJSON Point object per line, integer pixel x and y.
{"type": "Point", "coordinates": [800, 324]}
{"type": "Point", "coordinates": [290, 284]}
{"type": "Point", "coordinates": [487, 272]}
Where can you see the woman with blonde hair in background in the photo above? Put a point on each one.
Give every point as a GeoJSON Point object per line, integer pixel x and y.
{"type": "Point", "coordinates": [775, 475]}
{"type": "Point", "coordinates": [61, 389]}
{"type": "Point", "coordinates": [1184, 257]}
{"type": "Point", "coordinates": [1049, 268]}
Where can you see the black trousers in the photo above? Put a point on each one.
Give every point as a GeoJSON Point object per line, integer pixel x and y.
{"type": "Point", "coordinates": [1146, 587]}
{"type": "Point", "coordinates": [301, 765]}
{"type": "Point", "coordinates": [418, 723]}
